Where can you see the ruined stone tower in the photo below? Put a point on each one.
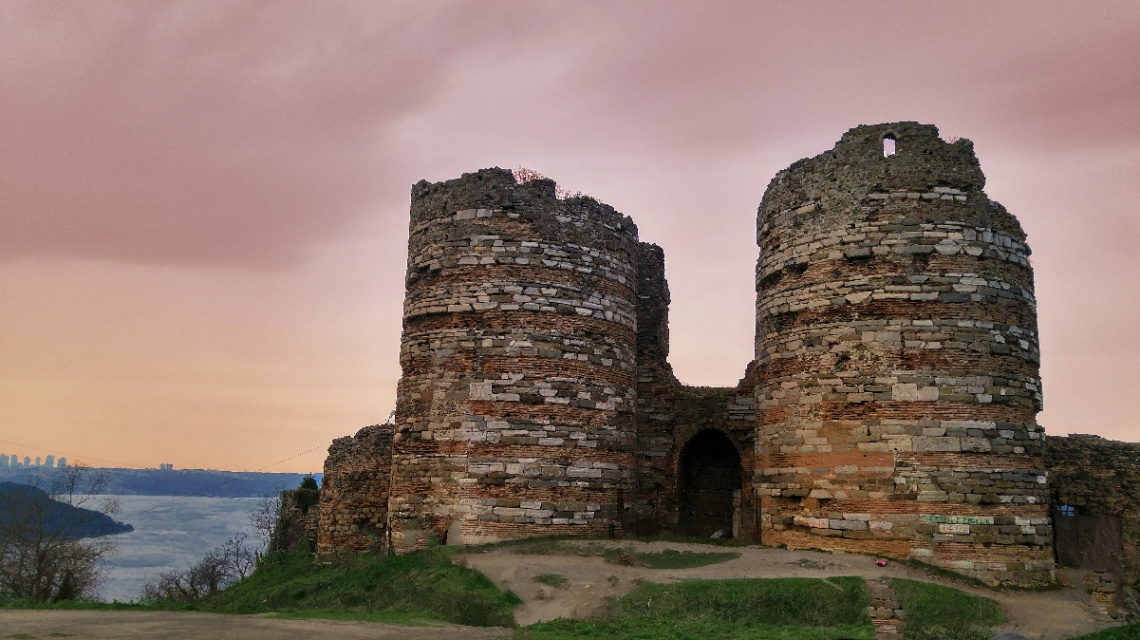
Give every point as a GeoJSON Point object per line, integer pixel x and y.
{"type": "Point", "coordinates": [514, 414]}
{"type": "Point", "coordinates": [890, 407]}
{"type": "Point", "coordinates": [897, 356]}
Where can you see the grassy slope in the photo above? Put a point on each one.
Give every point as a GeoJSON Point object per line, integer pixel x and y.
{"type": "Point", "coordinates": [426, 588]}
{"type": "Point", "coordinates": [419, 586]}
{"type": "Point", "coordinates": [934, 612]}
{"type": "Point", "coordinates": [772, 609]}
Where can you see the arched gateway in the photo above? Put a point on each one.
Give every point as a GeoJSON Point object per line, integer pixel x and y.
{"type": "Point", "coordinates": [710, 481]}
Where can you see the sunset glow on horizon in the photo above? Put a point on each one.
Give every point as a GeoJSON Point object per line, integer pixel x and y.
{"type": "Point", "coordinates": [204, 205]}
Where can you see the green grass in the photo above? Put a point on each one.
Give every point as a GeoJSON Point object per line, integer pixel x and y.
{"type": "Point", "coordinates": [1127, 632]}
{"type": "Point", "coordinates": [671, 559]}
{"type": "Point", "coordinates": [934, 612]}
{"type": "Point", "coordinates": [533, 546]}
{"type": "Point", "coordinates": [420, 588]}
{"type": "Point", "coordinates": [763, 609]}
{"type": "Point", "coordinates": [552, 579]}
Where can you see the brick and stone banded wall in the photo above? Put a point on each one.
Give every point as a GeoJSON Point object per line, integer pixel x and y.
{"type": "Point", "coordinates": [669, 414]}
{"type": "Point", "coordinates": [515, 411]}
{"type": "Point", "coordinates": [652, 506]}
{"type": "Point", "coordinates": [353, 509]}
{"type": "Point", "coordinates": [898, 360]}
{"type": "Point", "coordinates": [1100, 477]}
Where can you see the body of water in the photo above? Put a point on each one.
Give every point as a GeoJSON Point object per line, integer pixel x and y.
{"type": "Point", "coordinates": [170, 533]}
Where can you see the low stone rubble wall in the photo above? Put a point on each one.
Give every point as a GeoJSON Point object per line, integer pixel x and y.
{"type": "Point", "coordinates": [354, 493]}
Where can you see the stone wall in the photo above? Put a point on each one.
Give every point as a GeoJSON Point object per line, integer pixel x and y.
{"type": "Point", "coordinates": [1090, 476]}
{"type": "Point", "coordinates": [514, 414]}
{"type": "Point", "coordinates": [652, 506]}
{"type": "Point", "coordinates": [669, 415]}
{"type": "Point", "coordinates": [896, 349]}
{"type": "Point", "coordinates": [354, 493]}
{"type": "Point", "coordinates": [890, 408]}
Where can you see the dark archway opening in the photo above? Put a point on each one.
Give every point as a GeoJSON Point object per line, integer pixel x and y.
{"type": "Point", "coordinates": [709, 476]}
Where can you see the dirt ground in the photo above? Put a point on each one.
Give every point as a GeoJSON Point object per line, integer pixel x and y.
{"type": "Point", "coordinates": [1048, 615]}
{"type": "Point", "coordinates": [180, 625]}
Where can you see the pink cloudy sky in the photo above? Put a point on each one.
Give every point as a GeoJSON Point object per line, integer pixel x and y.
{"type": "Point", "coordinates": [203, 205]}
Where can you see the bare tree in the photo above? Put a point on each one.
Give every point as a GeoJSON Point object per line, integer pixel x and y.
{"type": "Point", "coordinates": [264, 518]}
{"type": "Point", "coordinates": [43, 553]}
{"type": "Point", "coordinates": [524, 175]}
{"type": "Point", "coordinates": [216, 571]}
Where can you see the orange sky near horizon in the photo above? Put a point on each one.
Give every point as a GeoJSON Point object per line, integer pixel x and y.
{"type": "Point", "coordinates": [203, 205]}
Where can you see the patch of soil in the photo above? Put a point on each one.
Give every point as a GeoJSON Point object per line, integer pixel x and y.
{"type": "Point", "coordinates": [187, 625]}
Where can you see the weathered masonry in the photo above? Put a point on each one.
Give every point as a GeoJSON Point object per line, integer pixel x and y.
{"type": "Point", "coordinates": [890, 406]}
{"type": "Point", "coordinates": [1095, 490]}
{"type": "Point", "coordinates": [896, 351]}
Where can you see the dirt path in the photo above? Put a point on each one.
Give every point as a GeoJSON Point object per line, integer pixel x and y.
{"type": "Point", "coordinates": [179, 625]}
{"type": "Point", "coordinates": [1049, 615]}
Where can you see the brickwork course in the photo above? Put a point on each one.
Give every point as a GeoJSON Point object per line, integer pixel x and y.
{"type": "Point", "coordinates": [890, 407]}
{"type": "Point", "coordinates": [896, 349]}
{"type": "Point", "coordinates": [353, 508]}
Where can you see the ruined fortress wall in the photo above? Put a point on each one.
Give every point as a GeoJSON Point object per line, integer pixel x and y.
{"type": "Point", "coordinates": [514, 414]}
{"type": "Point", "coordinates": [652, 506]}
{"type": "Point", "coordinates": [354, 492]}
{"type": "Point", "coordinates": [670, 416]}
{"type": "Point", "coordinates": [1099, 477]}
{"type": "Point", "coordinates": [1095, 488]}
{"type": "Point", "coordinates": [898, 359]}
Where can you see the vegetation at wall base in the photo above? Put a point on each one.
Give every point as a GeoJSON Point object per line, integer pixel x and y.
{"type": "Point", "coordinates": [934, 612]}
{"type": "Point", "coordinates": [672, 559]}
{"type": "Point", "coordinates": [764, 609]}
{"type": "Point", "coordinates": [666, 559]}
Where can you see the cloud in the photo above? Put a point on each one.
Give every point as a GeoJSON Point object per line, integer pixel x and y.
{"type": "Point", "coordinates": [197, 132]}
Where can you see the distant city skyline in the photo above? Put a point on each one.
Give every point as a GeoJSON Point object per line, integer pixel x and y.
{"type": "Point", "coordinates": [11, 461]}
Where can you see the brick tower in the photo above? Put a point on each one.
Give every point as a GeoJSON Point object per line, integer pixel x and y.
{"type": "Point", "coordinates": [897, 355]}
{"type": "Point", "coordinates": [514, 414]}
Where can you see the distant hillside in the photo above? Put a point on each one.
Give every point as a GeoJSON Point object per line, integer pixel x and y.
{"type": "Point", "coordinates": [182, 482]}
{"type": "Point", "coordinates": [21, 503]}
